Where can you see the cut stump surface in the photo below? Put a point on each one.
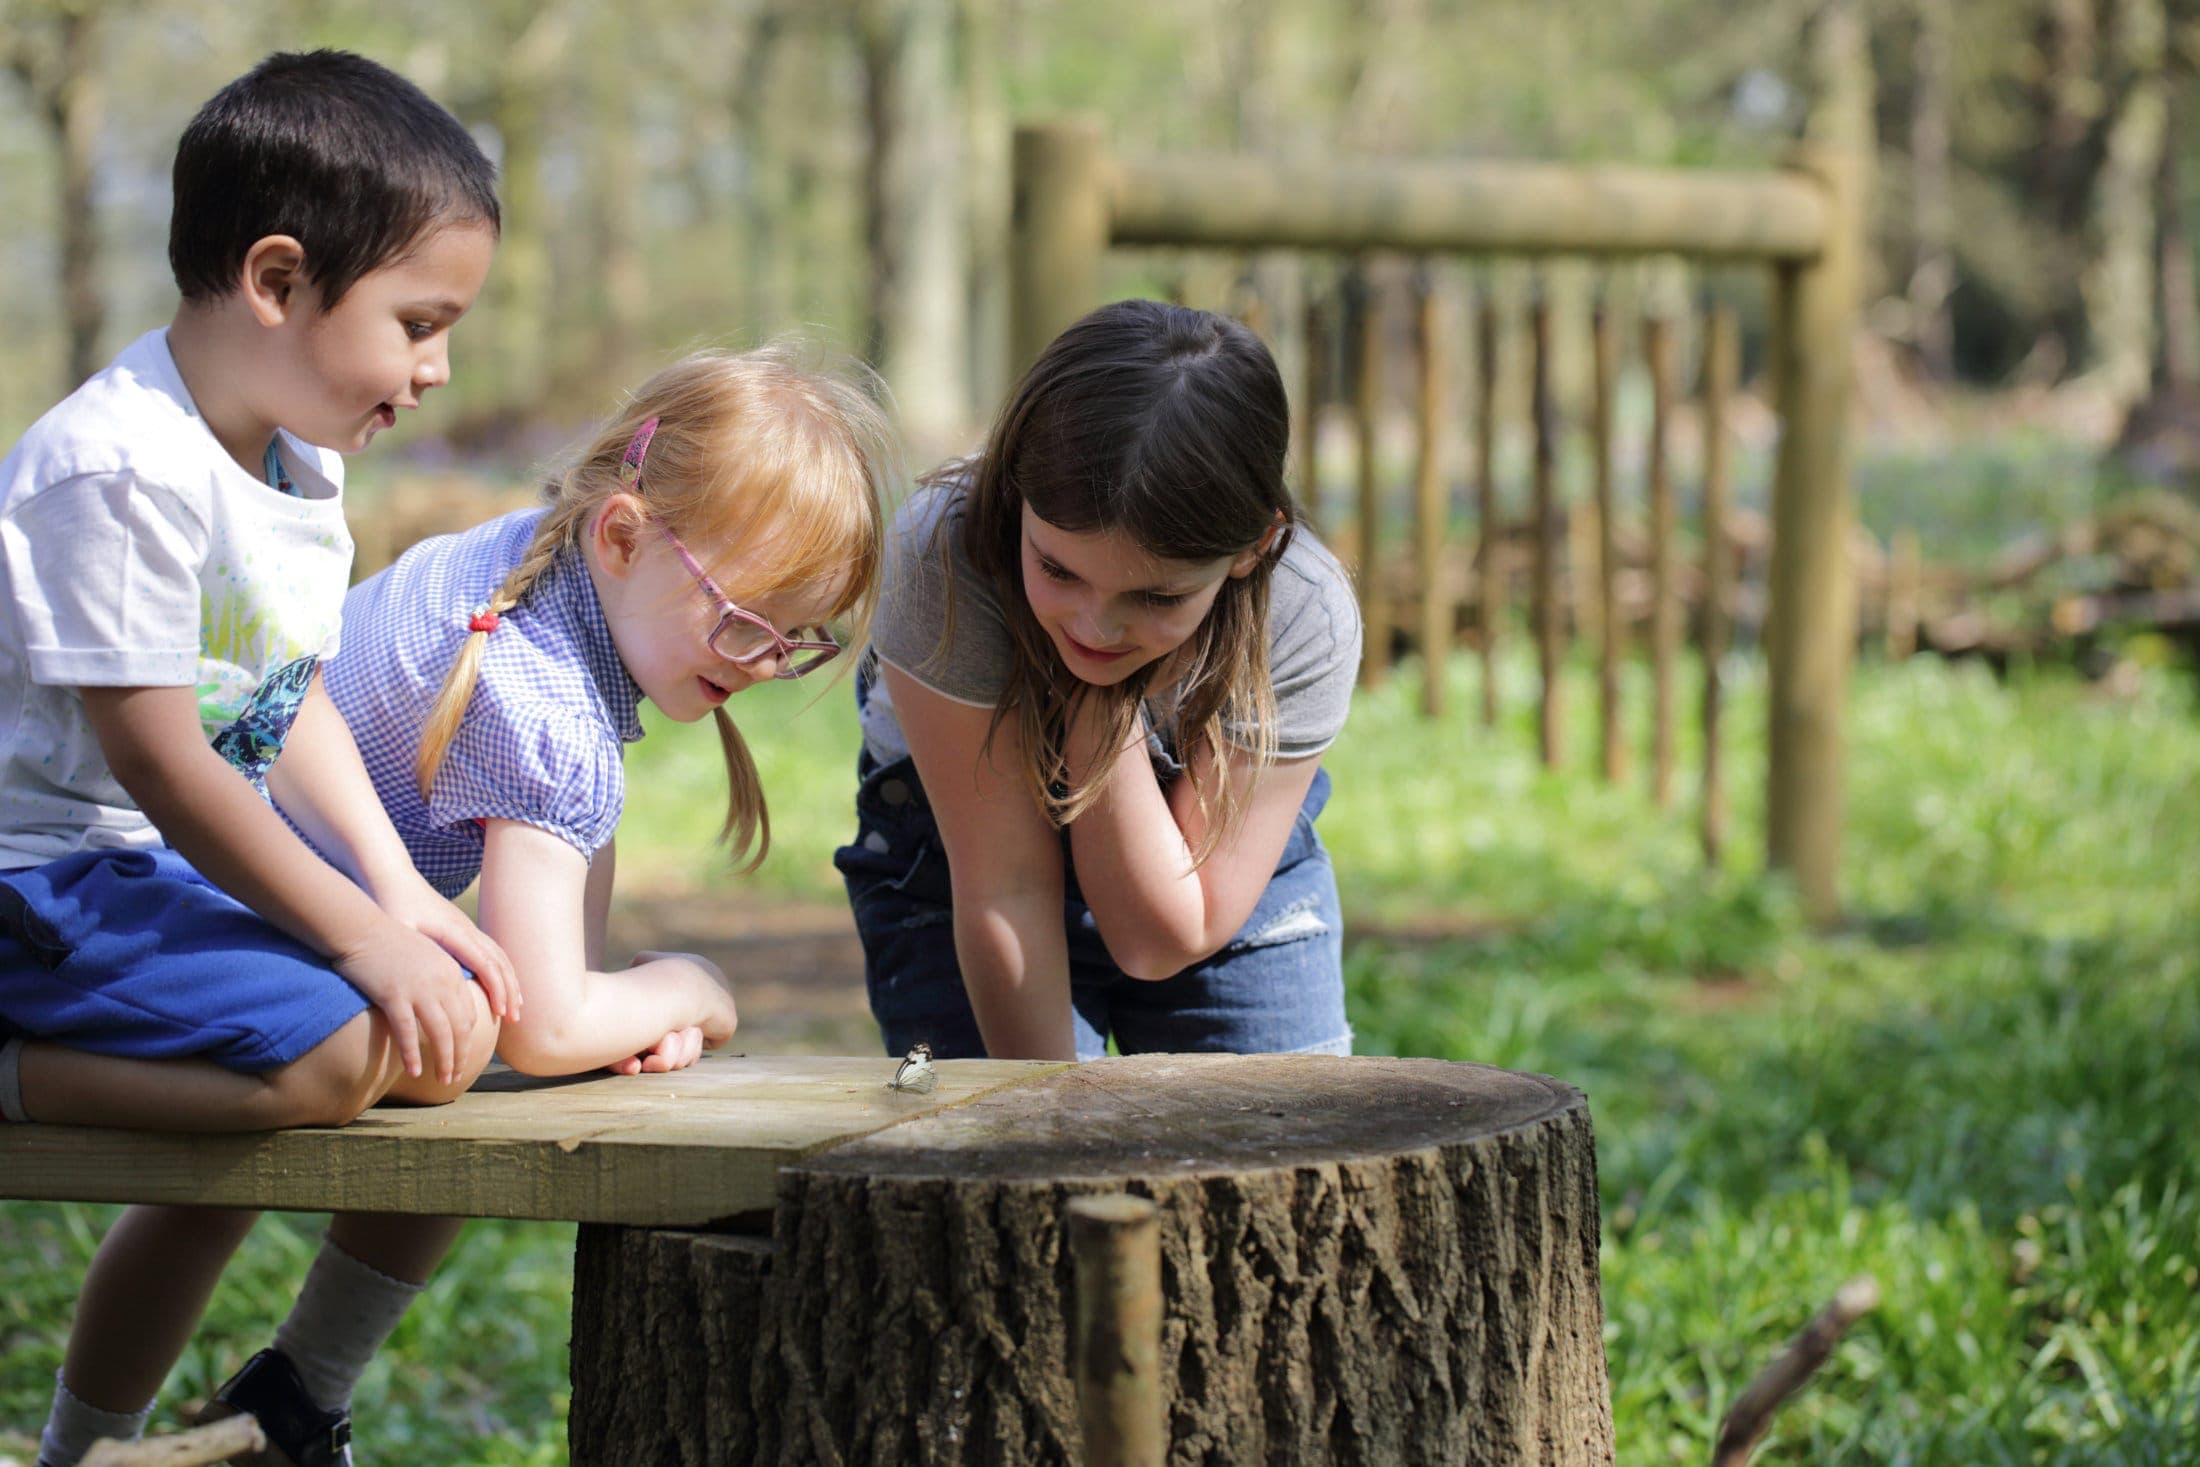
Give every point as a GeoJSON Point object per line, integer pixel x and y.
{"type": "Point", "coordinates": [1363, 1260]}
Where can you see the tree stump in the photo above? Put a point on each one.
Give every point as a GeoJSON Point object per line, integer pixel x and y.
{"type": "Point", "coordinates": [1363, 1260]}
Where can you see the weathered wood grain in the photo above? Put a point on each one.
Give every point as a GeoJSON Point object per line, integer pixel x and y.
{"type": "Point", "coordinates": [652, 1150]}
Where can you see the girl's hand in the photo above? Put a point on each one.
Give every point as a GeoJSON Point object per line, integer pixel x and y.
{"type": "Point", "coordinates": [676, 1051]}
{"type": "Point", "coordinates": [419, 906]}
{"type": "Point", "coordinates": [719, 1019]}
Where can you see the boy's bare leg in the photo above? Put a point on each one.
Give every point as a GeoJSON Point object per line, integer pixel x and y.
{"type": "Point", "coordinates": [142, 1298]}
{"type": "Point", "coordinates": [328, 1086]}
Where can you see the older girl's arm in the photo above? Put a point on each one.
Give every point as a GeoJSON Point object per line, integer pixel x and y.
{"type": "Point", "coordinates": [1005, 862]}
{"type": "Point", "coordinates": [1156, 911]}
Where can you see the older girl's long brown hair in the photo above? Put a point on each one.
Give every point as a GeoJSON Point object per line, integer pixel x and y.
{"type": "Point", "coordinates": [1168, 425]}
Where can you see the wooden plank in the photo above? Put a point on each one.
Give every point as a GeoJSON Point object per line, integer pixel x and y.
{"type": "Point", "coordinates": [682, 1149]}
{"type": "Point", "coordinates": [1665, 611]}
{"type": "Point", "coordinates": [1722, 368]}
{"type": "Point", "coordinates": [1432, 499]}
{"type": "Point", "coordinates": [1489, 569]}
{"type": "Point", "coordinates": [1367, 414]}
{"type": "Point", "coordinates": [1526, 208]}
{"type": "Point", "coordinates": [1610, 742]}
{"type": "Point", "coordinates": [1549, 630]}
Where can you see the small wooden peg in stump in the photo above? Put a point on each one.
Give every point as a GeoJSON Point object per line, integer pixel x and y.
{"type": "Point", "coordinates": [1117, 1240]}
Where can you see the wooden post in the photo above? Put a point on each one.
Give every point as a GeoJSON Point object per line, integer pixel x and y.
{"type": "Point", "coordinates": [1547, 619]}
{"type": "Point", "coordinates": [1117, 1351]}
{"type": "Point", "coordinates": [1374, 604]}
{"type": "Point", "coordinates": [1432, 502]}
{"type": "Point", "coordinates": [1058, 230]}
{"type": "Point", "coordinates": [1657, 345]}
{"type": "Point", "coordinates": [1489, 574]}
{"type": "Point", "coordinates": [1611, 741]}
{"type": "Point", "coordinates": [1306, 423]}
{"type": "Point", "coordinates": [1811, 621]}
{"type": "Point", "coordinates": [1722, 365]}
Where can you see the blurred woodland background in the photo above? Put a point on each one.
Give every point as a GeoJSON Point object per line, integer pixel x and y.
{"type": "Point", "coordinates": [677, 172]}
{"type": "Point", "coordinates": [1976, 1087]}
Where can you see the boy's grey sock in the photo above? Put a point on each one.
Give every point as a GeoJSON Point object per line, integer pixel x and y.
{"type": "Point", "coordinates": [11, 1080]}
{"type": "Point", "coordinates": [75, 1425]}
{"type": "Point", "coordinates": [343, 1314]}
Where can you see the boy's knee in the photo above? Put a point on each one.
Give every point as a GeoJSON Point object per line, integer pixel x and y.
{"type": "Point", "coordinates": [479, 1047]}
{"type": "Point", "coordinates": [334, 1081]}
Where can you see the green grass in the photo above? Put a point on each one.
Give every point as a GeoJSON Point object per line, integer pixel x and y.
{"type": "Point", "coordinates": [1980, 1090]}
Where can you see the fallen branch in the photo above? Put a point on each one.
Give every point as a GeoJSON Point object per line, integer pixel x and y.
{"type": "Point", "coordinates": [1751, 1415]}
{"type": "Point", "coordinates": [198, 1447]}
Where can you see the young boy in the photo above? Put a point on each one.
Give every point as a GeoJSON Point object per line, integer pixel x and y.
{"type": "Point", "coordinates": [173, 557]}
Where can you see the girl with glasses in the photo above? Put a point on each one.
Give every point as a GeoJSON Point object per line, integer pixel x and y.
{"type": "Point", "coordinates": [701, 543]}
{"type": "Point", "coordinates": [1106, 663]}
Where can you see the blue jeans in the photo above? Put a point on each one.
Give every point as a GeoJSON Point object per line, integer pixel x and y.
{"type": "Point", "coordinates": [1277, 987]}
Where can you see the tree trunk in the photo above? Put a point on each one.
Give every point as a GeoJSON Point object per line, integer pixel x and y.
{"type": "Point", "coordinates": [2119, 280]}
{"type": "Point", "coordinates": [2180, 360]}
{"type": "Point", "coordinates": [1932, 210]}
{"type": "Point", "coordinates": [1365, 1260]}
{"type": "Point", "coordinates": [2067, 102]}
{"type": "Point", "coordinates": [58, 64]}
{"type": "Point", "coordinates": [915, 217]}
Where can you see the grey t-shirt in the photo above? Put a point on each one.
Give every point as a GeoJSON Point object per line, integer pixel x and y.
{"type": "Point", "coordinates": [1313, 632]}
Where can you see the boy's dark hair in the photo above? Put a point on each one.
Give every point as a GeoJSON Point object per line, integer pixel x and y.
{"type": "Point", "coordinates": [339, 152]}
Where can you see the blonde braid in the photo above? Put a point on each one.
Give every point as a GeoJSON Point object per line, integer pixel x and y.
{"type": "Point", "coordinates": [551, 537]}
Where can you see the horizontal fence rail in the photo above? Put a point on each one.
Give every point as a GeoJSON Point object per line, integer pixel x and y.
{"type": "Point", "coordinates": [1073, 203]}
{"type": "Point", "coordinates": [1496, 207]}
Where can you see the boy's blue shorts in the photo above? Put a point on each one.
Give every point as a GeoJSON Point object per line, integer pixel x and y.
{"type": "Point", "coordinates": [134, 953]}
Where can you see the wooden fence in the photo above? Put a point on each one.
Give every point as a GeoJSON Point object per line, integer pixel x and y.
{"type": "Point", "coordinates": [1073, 202]}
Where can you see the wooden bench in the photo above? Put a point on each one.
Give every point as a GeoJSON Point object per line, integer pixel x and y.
{"type": "Point", "coordinates": [785, 1260]}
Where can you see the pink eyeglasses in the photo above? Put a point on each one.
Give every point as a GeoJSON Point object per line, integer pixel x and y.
{"type": "Point", "coordinates": [741, 637]}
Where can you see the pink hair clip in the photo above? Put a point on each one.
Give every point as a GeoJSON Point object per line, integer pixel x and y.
{"type": "Point", "coordinates": [637, 449]}
{"type": "Point", "coordinates": [483, 619]}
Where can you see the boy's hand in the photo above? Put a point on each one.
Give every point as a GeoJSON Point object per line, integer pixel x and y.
{"type": "Point", "coordinates": [676, 1051]}
{"type": "Point", "coordinates": [420, 990]}
{"type": "Point", "coordinates": [423, 909]}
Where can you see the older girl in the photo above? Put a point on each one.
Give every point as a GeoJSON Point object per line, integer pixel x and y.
{"type": "Point", "coordinates": [1106, 664]}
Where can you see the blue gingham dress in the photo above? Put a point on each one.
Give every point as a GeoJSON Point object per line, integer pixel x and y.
{"type": "Point", "coordinates": [543, 739]}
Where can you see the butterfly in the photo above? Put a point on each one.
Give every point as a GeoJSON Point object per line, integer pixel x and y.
{"type": "Point", "coordinates": [915, 1072]}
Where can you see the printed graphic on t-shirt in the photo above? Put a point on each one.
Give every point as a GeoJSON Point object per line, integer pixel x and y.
{"type": "Point", "coordinates": [255, 741]}
{"type": "Point", "coordinates": [258, 613]}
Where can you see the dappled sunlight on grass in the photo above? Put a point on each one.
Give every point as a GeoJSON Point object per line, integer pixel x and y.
{"type": "Point", "coordinates": [1978, 1090]}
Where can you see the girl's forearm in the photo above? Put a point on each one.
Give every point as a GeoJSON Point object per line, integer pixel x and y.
{"type": "Point", "coordinates": [584, 1019]}
{"type": "Point", "coordinates": [1015, 968]}
{"type": "Point", "coordinates": [1134, 865]}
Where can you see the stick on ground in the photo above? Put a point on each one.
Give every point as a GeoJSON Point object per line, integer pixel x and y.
{"type": "Point", "coordinates": [198, 1447]}
{"type": "Point", "coordinates": [1752, 1412]}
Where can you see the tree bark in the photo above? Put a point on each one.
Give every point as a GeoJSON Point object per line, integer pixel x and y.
{"type": "Point", "coordinates": [56, 57]}
{"type": "Point", "coordinates": [1932, 209]}
{"type": "Point", "coordinates": [2119, 281]}
{"type": "Point", "coordinates": [915, 217]}
{"type": "Point", "coordinates": [1363, 1261]}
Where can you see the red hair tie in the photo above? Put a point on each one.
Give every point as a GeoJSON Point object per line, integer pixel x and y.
{"type": "Point", "coordinates": [483, 620]}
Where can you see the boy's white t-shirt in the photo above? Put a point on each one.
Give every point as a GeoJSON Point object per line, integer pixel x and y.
{"type": "Point", "coordinates": [135, 552]}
